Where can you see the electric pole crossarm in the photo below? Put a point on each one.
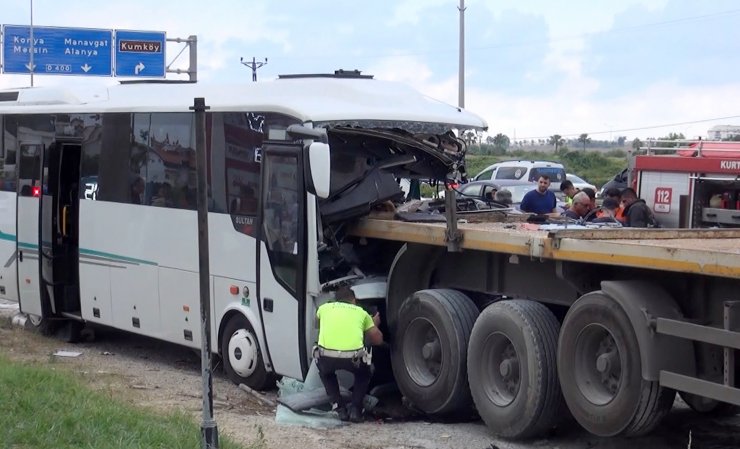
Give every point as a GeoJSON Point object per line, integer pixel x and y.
{"type": "Point", "coordinates": [254, 65]}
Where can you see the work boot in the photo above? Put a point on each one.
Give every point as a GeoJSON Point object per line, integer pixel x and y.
{"type": "Point", "coordinates": [355, 414]}
{"type": "Point", "coordinates": [341, 411]}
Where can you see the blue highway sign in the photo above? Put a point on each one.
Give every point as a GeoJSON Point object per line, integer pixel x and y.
{"type": "Point", "coordinates": [140, 53]}
{"type": "Point", "coordinates": [58, 51]}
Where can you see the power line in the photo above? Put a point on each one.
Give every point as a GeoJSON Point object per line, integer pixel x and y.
{"type": "Point", "coordinates": [642, 128]}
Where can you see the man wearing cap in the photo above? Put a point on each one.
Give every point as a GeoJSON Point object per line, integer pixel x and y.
{"type": "Point", "coordinates": [343, 329]}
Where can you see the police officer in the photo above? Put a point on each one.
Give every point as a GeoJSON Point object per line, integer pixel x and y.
{"type": "Point", "coordinates": [343, 329]}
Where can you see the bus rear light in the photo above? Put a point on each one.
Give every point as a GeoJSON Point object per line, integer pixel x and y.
{"type": "Point", "coordinates": [234, 290]}
{"type": "Point", "coordinates": [36, 191]}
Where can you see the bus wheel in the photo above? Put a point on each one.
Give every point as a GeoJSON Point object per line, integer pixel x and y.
{"type": "Point", "coordinates": [242, 356]}
{"type": "Point", "coordinates": [43, 326]}
{"type": "Point", "coordinates": [511, 368]}
{"type": "Point", "coordinates": [600, 371]}
{"type": "Point", "coordinates": [429, 350]}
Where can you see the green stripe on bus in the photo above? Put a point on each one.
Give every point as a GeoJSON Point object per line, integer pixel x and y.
{"type": "Point", "coordinates": [9, 237]}
{"type": "Point", "coordinates": [92, 252]}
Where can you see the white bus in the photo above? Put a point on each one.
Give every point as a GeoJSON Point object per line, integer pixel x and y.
{"type": "Point", "coordinates": [98, 210]}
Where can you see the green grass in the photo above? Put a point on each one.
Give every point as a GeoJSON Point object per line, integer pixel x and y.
{"type": "Point", "coordinates": [42, 408]}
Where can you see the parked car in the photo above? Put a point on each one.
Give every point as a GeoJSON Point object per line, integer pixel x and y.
{"type": "Point", "coordinates": [523, 170]}
{"type": "Point", "coordinates": [580, 183]}
{"type": "Point", "coordinates": [619, 181]}
{"type": "Point", "coordinates": [483, 190]}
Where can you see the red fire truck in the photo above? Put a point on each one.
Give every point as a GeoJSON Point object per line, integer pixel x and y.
{"type": "Point", "coordinates": [696, 185]}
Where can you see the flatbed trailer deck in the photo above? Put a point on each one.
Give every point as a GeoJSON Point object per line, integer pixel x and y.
{"type": "Point", "coordinates": [714, 252]}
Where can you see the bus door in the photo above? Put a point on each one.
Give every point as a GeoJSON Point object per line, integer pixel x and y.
{"type": "Point", "coordinates": [59, 227]}
{"type": "Point", "coordinates": [282, 258]}
{"type": "Point", "coordinates": [27, 235]}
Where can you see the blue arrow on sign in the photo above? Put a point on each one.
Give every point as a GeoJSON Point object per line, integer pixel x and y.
{"type": "Point", "coordinates": [57, 51]}
{"type": "Point", "coordinates": [140, 54]}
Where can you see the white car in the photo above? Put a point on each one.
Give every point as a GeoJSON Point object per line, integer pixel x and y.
{"type": "Point", "coordinates": [579, 183]}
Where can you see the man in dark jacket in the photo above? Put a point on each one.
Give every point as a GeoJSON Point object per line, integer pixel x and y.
{"type": "Point", "coordinates": [637, 214]}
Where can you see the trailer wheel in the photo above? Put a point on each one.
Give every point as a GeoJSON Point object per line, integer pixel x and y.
{"type": "Point", "coordinates": [511, 368]}
{"type": "Point", "coordinates": [600, 371]}
{"type": "Point", "coordinates": [242, 356]}
{"type": "Point", "coordinates": [708, 406]}
{"type": "Point", "coordinates": [429, 350]}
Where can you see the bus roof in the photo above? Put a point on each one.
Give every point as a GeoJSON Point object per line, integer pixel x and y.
{"type": "Point", "coordinates": [309, 99]}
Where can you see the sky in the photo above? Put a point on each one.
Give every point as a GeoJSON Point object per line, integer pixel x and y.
{"type": "Point", "coordinates": [533, 68]}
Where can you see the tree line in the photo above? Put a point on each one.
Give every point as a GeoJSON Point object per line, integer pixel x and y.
{"type": "Point", "coordinates": [596, 167]}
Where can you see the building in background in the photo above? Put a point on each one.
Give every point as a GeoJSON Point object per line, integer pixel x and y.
{"type": "Point", "coordinates": [721, 132]}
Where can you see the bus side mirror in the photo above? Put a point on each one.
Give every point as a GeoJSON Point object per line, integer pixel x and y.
{"type": "Point", "coordinates": [319, 164]}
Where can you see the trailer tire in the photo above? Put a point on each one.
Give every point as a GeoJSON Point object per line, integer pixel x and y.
{"type": "Point", "coordinates": [429, 351]}
{"type": "Point", "coordinates": [599, 367]}
{"type": "Point", "coordinates": [242, 356]}
{"type": "Point", "coordinates": [511, 368]}
{"type": "Point", "coordinates": [709, 407]}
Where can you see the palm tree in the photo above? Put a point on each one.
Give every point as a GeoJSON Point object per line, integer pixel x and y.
{"type": "Point", "coordinates": [501, 141]}
{"type": "Point", "coordinates": [584, 139]}
{"type": "Point", "coordinates": [557, 140]}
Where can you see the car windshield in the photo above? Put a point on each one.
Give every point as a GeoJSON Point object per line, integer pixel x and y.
{"type": "Point", "coordinates": [555, 174]}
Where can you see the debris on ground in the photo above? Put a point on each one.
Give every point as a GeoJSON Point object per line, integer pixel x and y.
{"type": "Point", "coordinates": [63, 353]}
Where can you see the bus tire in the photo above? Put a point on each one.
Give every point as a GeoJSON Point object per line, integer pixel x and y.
{"type": "Point", "coordinates": [429, 351]}
{"type": "Point", "coordinates": [600, 371]}
{"type": "Point", "coordinates": [511, 368]}
{"type": "Point", "coordinates": [242, 356]}
{"type": "Point", "coordinates": [43, 326]}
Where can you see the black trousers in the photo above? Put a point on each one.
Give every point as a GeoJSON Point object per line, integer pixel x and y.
{"type": "Point", "coordinates": [328, 367]}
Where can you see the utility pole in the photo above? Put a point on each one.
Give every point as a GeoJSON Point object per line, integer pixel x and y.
{"type": "Point", "coordinates": [208, 427]}
{"type": "Point", "coordinates": [461, 73]}
{"type": "Point", "coordinates": [254, 65]}
{"type": "Point", "coordinates": [30, 32]}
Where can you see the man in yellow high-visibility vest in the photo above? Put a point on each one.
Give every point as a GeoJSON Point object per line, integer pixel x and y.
{"type": "Point", "coordinates": [343, 329]}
